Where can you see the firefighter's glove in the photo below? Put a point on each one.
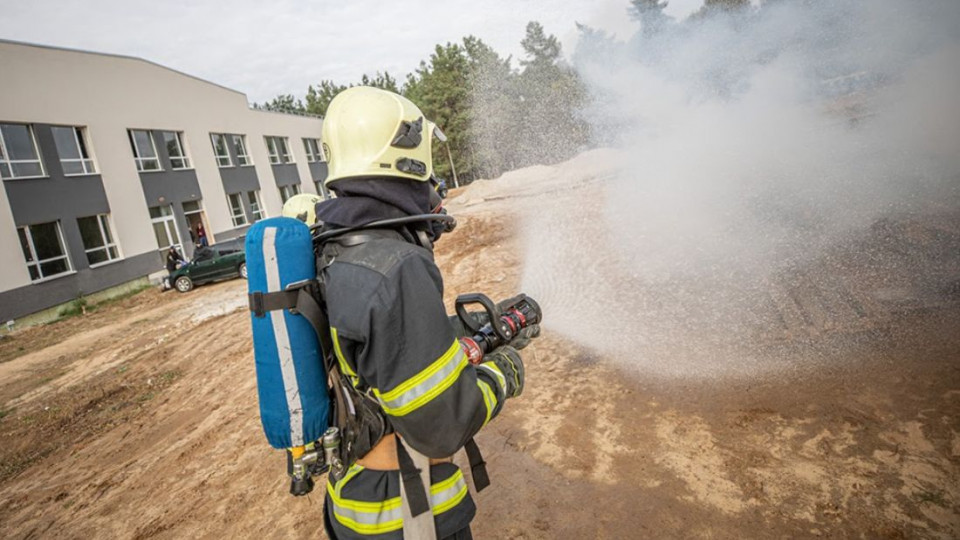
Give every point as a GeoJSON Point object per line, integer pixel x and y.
{"type": "Point", "coordinates": [508, 367]}
{"type": "Point", "coordinates": [525, 336]}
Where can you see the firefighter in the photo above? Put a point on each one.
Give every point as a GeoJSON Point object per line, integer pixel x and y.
{"type": "Point", "coordinates": [302, 207]}
{"type": "Point", "coordinates": [391, 334]}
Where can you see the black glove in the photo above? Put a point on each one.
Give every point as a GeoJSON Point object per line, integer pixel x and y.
{"type": "Point", "coordinates": [462, 331]}
{"type": "Point", "coordinates": [508, 369]}
{"type": "Point", "coordinates": [525, 336]}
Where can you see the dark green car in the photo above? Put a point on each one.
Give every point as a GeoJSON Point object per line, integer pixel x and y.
{"type": "Point", "coordinates": [211, 263]}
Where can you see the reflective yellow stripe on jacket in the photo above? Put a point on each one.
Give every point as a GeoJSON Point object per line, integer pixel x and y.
{"type": "Point", "coordinates": [386, 516]}
{"type": "Point", "coordinates": [344, 366]}
{"type": "Point", "coordinates": [418, 390]}
{"type": "Point", "coordinates": [489, 399]}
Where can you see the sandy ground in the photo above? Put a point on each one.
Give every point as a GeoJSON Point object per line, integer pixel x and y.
{"type": "Point", "coordinates": [140, 420]}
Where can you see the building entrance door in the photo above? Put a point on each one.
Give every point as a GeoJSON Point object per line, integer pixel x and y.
{"type": "Point", "coordinates": [197, 221]}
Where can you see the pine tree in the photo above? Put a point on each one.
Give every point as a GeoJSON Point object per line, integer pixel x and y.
{"type": "Point", "coordinates": [551, 96]}
{"type": "Point", "coordinates": [713, 7]}
{"type": "Point", "coordinates": [285, 103]}
{"type": "Point", "coordinates": [650, 15]}
{"type": "Point", "coordinates": [493, 109]}
{"type": "Point", "coordinates": [318, 99]}
{"type": "Point", "coordinates": [438, 88]}
{"type": "Point", "coordinates": [381, 80]}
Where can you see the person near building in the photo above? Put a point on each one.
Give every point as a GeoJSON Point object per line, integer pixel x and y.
{"type": "Point", "coordinates": [391, 334]}
{"type": "Point", "coordinates": [174, 260]}
{"type": "Point", "coordinates": [201, 235]}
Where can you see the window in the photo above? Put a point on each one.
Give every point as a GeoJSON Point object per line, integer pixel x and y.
{"type": "Point", "coordinates": [19, 157]}
{"type": "Point", "coordinates": [236, 209]}
{"type": "Point", "coordinates": [175, 149]}
{"type": "Point", "coordinates": [165, 228]}
{"type": "Point", "coordinates": [228, 248]}
{"type": "Point", "coordinates": [289, 191]}
{"type": "Point", "coordinates": [256, 209]}
{"type": "Point", "coordinates": [220, 149]}
{"type": "Point", "coordinates": [312, 146]}
{"type": "Point", "coordinates": [44, 251]}
{"type": "Point", "coordinates": [72, 149]}
{"type": "Point", "coordinates": [144, 150]}
{"type": "Point", "coordinates": [97, 239]}
{"type": "Point", "coordinates": [322, 190]}
{"type": "Point", "coordinates": [279, 150]}
{"type": "Point", "coordinates": [240, 147]}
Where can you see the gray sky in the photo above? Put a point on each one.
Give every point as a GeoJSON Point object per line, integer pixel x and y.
{"type": "Point", "coordinates": [265, 48]}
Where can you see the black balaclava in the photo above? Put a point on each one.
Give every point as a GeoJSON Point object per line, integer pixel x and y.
{"type": "Point", "coordinates": [365, 200]}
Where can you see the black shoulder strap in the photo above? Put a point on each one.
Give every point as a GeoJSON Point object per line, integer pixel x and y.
{"type": "Point", "coordinates": [478, 467]}
{"type": "Point", "coordinates": [413, 487]}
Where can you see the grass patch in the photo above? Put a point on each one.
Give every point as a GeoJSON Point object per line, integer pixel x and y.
{"type": "Point", "coordinates": [5, 412]}
{"type": "Point", "coordinates": [19, 462]}
{"type": "Point", "coordinates": [77, 306]}
{"type": "Point", "coordinates": [168, 377]}
{"type": "Point", "coordinates": [81, 306]}
{"type": "Point", "coordinates": [123, 296]}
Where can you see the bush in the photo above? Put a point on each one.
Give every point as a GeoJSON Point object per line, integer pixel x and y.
{"type": "Point", "coordinates": [76, 307]}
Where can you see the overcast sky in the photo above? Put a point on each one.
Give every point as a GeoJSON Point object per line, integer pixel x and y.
{"type": "Point", "coordinates": [265, 48]}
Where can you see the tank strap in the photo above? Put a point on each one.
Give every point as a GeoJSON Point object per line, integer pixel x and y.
{"type": "Point", "coordinates": [299, 298]}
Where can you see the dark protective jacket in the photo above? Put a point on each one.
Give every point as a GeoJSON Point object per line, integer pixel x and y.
{"type": "Point", "coordinates": [172, 259]}
{"type": "Point", "coordinates": [391, 336]}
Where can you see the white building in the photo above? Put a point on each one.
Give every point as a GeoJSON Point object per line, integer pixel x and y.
{"type": "Point", "coordinates": [108, 160]}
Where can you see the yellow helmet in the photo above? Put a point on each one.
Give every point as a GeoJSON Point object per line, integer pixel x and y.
{"type": "Point", "coordinates": [302, 207]}
{"type": "Point", "coordinates": [372, 132]}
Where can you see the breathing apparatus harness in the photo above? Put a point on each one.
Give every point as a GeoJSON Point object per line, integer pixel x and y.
{"type": "Point", "coordinates": [357, 421]}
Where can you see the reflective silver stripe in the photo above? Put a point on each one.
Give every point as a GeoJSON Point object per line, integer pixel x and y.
{"type": "Point", "coordinates": [380, 520]}
{"type": "Point", "coordinates": [438, 499]}
{"type": "Point", "coordinates": [424, 391]}
{"type": "Point", "coordinates": [290, 386]}
{"type": "Point", "coordinates": [495, 371]}
{"type": "Point", "coordinates": [380, 517]}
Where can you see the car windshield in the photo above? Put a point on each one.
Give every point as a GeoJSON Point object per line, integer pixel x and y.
{"type": "Point", "coordinates": [203, 254]}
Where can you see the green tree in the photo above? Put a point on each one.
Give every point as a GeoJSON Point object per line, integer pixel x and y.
{"type": "Point", "coordinates": [495, 117]}
{"type": "Point", "coordinates": [438, 88]}
{"type": "Point", "coordinates": [285, 103]}
{"type": "Point", "coordinates": [714, 7]}
{"type": "Point", "coordinates": [493, 109]}
{"type": "Point", "coordinates": [318, 99]}
{"type": "Point", "coordinates": [551, 97]}
{"type": "Point", "coordinates": [650, 15]}
{"type": "Point", "coordinates": [542, 50]}
{"type": "Point", "coordinates": [381, 80]}
{"type": "Point", "coordinates": [729, 5]}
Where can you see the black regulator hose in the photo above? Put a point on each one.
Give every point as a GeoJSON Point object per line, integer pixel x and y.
{"type": "Point", "coordinates": [448, 221]}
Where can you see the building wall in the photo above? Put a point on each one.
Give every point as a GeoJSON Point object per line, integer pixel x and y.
{"type": "Point", "coordinates": [109, 95]}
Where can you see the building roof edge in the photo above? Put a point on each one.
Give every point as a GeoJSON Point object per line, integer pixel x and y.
{"type": "Point", "coordinates": [124, 56]}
